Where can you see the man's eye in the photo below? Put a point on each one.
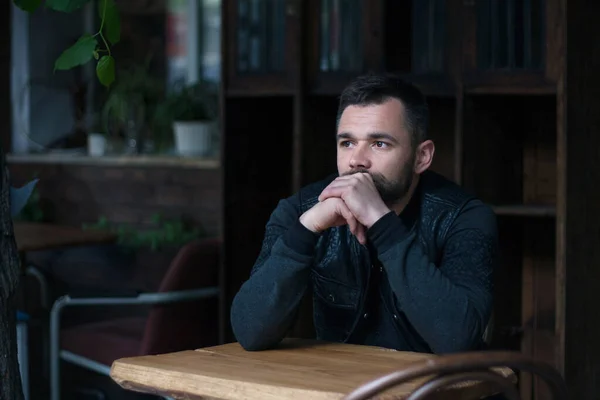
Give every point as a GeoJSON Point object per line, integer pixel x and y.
{"type": "Point", "coordinates": [381, 144]}
{"type": "Point", "coordinates": [345, 143]}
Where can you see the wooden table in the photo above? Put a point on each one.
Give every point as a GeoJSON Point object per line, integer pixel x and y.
{"type": "Point", "coordinates": [297, 369]}
{"type": "Point", "coordinates": [31, 236]}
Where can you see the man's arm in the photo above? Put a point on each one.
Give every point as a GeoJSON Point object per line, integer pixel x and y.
{"type": "Point", "coordinates": [450, 304]}
{"type": "Point", "coordinates": [266, 305]}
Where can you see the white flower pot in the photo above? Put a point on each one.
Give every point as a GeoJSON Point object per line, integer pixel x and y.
{"type": "Point", "coordinates": [96, 144]}
{"type": "Point", "coordinates": [193, 138]}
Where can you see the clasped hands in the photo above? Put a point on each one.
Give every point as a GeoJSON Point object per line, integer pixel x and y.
{"type": "Point", "coordinates": [351, 200]}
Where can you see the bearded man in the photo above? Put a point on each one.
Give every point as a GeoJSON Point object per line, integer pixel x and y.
{"type": "Point", "coordinates": [396, 255]}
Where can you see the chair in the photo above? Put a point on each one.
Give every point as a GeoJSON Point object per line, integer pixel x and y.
{"type": "Point", "coordinates": [451, 369]}
{"type": "Point", "coordinates": [185, 307]}
{"type": "Point", "coordinates": [23, 351]}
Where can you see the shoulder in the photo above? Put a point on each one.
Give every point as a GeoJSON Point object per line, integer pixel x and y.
{"type": "Point", "coordinates": [437, 188]}
{"type": "Point", "coordinates": [477, 217]}
{"type": "Point", "coordinates": [464, 209]}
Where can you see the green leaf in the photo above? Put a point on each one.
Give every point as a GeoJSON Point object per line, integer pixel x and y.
{"type": "Point", "coordinates": [156, 218]}
{"type": "Point", "coordinates": [66, 5]}
{"type": "Point", "coordinates": [105, 70]}
{"type": "Point", "coordinates": [28, 5]}
{"type": "Point", "coordinates": [112, 20]}
{"type": "Point", "coordinates": [79, 53]}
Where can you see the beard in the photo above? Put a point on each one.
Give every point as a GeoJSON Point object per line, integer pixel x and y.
{"type": "Point", "coordinates": [391, 190]}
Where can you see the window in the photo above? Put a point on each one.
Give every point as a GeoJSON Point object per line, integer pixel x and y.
{"type": "Point", "coordinates": [52, 111]}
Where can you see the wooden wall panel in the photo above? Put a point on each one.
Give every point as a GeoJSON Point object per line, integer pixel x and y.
{"type": "Point", "coordinates": [579, 216]}
{"type": "Point", "coordinates": [75, 194]}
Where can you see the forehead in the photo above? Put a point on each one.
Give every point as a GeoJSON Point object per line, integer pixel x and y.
{"type": "Point", "coordinates": [385, 117]}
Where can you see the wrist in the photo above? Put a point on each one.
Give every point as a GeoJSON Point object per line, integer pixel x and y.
{"type": "Point", "coordinates": [306, 222]}
{"type": "Point", "coordinates": [375, 215]}
{"type": "Point", "coordinates": [300, 240]}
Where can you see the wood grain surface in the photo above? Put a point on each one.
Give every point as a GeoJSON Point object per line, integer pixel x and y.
{"type": "Point", "coordinates": [297, 369]}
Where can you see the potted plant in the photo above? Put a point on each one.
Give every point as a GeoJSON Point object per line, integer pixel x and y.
{"type": "Point", "coordinates": [130, 107]}
{"type": "Point", "coordinates": [191, 111]}
{"type": "Point", "coordinates": [96, 140]}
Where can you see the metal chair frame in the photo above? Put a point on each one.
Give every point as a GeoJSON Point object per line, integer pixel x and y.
{"type": "Point", "coordinates": [453, 368]}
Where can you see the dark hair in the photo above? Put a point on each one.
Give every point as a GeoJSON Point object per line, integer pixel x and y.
{"type": "Point", "coordinates": [374, 88]}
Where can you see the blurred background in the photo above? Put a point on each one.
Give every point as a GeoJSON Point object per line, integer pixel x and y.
{"type": "Point", "coordinates": [220, 108]}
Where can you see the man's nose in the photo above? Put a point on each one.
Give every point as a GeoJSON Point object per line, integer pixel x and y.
{"type": "Point", "coordinates": [360, 158]}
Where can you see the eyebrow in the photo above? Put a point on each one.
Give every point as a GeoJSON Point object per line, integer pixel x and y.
{"type": "Point", "coordinates": [373, 136]}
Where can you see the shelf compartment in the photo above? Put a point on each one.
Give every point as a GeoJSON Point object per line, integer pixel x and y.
{"type": "Point", "coordinates": [525, 210]}
{"type": "Point", "coordinates": [509, 83]}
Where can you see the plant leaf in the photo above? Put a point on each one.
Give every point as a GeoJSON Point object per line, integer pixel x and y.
{"type": "Point", "coordinates": [105, 70]}
{"type": "Point", "coordinates": [28, 5]}
{"type": "Point", "coordinates": [66, 5]}
{"type": "Point", "coordinates": [79, 53]}
{"type": "Point", "coordinates": [112, 20]}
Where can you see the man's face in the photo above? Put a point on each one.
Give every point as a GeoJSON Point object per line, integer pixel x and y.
{"type": "Point", "coordinates": [374, 139]}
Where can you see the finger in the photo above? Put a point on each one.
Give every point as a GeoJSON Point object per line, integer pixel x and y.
{"type": "Point", "coordinates": [338, 182]}
{"type": "Point", "coordinates": [362, 179]}
{"type": "Point", "coordinates": [344, 178]}
{"type": "Point", "coordinates": [368, 177]}
{"type": "Point", "coordinates": [350, 181]}
{"type": "Point", "coordinates": [355, 176]}
{"type": "Point", "coordinates": [356, 228]}
{"type": "Point", "coordinates": [336, 191]}
{"type": "Point", "coordinates": [352, 224]}
{"type": "Point", "coordinates": [349, 217]}
{"type": "Point", "coordinates": [321, 197]}
{"type": "Point", "coordinates": [334, 185]}
{"type": "Point", "coordinates": [361, 234]}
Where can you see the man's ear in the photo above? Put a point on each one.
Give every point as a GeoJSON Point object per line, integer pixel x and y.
{"type": "Point", "coordinates": [424, 156]}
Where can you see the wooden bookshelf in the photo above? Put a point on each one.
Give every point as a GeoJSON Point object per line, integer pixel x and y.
{"type": "Point", "coordinates": [525, 210]}
{"type": "Point", "coordinates": [498, 117]}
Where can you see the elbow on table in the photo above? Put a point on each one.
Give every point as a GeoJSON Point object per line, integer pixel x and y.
{"type": "Point", "coordinates": [251, 337]}
{"type": "Point", "coordinates": [455, 346]}
{"type": "Point", "coordinates": [463, 341]}
{"type": "Point", "coordinates": [465, 334]}
{"type": "Point", "coordinates": [255, 343]}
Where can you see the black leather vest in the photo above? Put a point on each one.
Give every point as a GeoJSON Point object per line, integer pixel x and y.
{"type": "Point", "coordinates": [341, 267]}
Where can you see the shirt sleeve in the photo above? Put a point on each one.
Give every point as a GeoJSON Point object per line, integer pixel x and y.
{"type": "Point", "coordinates": [450, 303]}
{"type": "Point", "coordinates": [266, 305]}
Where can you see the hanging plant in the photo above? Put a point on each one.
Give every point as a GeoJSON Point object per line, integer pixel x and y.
{"type": "Point", "coordinates": [89, 46]}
